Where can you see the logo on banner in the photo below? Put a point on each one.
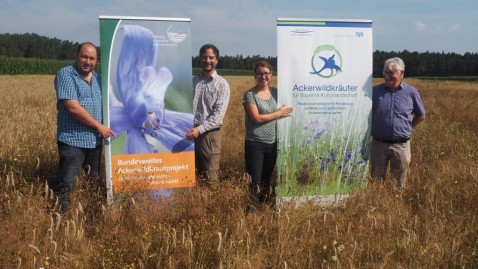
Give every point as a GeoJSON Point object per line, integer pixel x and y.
{"type": "Point", "coordinates": [176, 37]}
{"type": "Point", "coordinates": [326, 61]}
{"type": "Point", "coordinates": [301, 32]}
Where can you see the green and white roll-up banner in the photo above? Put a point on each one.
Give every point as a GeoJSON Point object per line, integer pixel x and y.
{"type": "Point", "coordinates": [325, 73]}
{"type": "Point", "coordinates": [146, 69]}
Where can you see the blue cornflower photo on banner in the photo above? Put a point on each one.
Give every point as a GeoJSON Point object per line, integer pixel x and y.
{"type": "Point", "coordinates": [147, 85]}
{"type": "Point", "coordinates": [137, 104]}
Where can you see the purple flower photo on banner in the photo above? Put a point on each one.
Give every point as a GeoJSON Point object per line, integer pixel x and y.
{"type": "Point", "coordinates": [138, 107]}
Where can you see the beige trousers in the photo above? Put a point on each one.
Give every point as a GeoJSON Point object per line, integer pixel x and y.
{"type": "Point", "coordinates": [208, 155]}
{"type": "Point", "coordinates": [398, 155]}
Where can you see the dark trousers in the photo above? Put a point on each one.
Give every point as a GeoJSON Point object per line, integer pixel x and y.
{"type": "Point", "coordinates": [72, 161]}
{"type": "Point", "coordinates": [260, 163]}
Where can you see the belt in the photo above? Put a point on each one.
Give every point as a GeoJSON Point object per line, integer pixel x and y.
{"type": "Point", "coordinates": [212, 130]}
{"type": "Point", "coordinates": [392, 141]}
{"type": "Point", "coordinates": [215, 129]}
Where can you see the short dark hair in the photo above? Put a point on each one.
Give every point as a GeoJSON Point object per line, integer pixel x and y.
{"type": "Point", "coordinates": [209, 46]}
{"type": "Point", "coordinates": [85, 43]}
{"type": "Point", "coordinates": [262, 64]}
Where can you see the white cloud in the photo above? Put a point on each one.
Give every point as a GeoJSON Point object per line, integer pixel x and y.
{"type": "Point", "coordinates": [420, 26]}
{"type": "Point", "coordinates": [455, 27]}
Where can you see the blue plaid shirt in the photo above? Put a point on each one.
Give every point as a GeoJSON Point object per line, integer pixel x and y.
{"type": "Point", "coordinates": [70, 85]}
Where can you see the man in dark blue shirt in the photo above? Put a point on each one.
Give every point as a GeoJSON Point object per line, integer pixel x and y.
{"type": "Point", "coordinates": [396, 109]}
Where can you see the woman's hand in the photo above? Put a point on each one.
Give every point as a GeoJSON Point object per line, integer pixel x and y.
{"type": "Point", "coordinates": [284, 111]}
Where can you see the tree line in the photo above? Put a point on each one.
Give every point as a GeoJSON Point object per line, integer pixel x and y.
{"type": "Point", "coordinates": [423, 64]}
{"type": "Point", "coordinates": [31, 45]}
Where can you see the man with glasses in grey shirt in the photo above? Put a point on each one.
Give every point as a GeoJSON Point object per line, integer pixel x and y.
{"type": "Point", "coordinates": [211, 98]}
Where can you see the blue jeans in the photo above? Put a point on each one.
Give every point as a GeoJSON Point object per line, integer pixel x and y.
{"type": "Point", "coordinates": [260, 163]}
{"type": "Point", "coordinates": [72, 161]}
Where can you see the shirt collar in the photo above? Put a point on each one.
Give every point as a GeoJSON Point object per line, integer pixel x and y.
{"type": "Point", "coordinates": [75, 72]}
{"type": "Point", "coordinates": [398, 88]}
{"type": "Point", "coordinates": [213, 76]}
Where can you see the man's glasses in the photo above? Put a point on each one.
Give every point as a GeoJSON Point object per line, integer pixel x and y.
{"type": "Point", "coordinates": [390, 73]}
{"type": "Point", "coordinates": [263, 74]}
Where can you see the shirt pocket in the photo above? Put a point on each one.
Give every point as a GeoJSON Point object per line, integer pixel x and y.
{"type": "Point", "coordinates": [211, 97]}
{"type": "Point", "coordinates": [85, 92]}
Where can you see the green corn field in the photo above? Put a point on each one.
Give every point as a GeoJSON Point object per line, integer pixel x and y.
{"type": "Point", "coordinates": [32, 66]}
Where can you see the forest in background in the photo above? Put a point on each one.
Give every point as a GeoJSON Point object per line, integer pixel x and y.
{"type": "Point", "coordinates": [31, 49]}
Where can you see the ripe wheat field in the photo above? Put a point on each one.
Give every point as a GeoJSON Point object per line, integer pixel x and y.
{"type": "Point", "coordinates": [432, 225]}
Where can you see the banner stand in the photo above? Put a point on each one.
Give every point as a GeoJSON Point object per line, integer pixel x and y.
{"type": "Point", "coordinates": [325, 73]}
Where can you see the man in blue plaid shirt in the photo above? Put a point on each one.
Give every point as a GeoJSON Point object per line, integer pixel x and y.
{"type": "Point", "coordinates": [80, 132]}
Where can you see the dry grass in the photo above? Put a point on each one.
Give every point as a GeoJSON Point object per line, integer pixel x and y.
{"type": "Point", "coordinates": [432, 225]}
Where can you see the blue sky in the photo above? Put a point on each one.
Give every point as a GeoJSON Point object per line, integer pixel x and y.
{"type": "Point", "coordinates": [248, 27]}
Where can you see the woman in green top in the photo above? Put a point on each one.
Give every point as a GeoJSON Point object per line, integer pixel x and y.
{"type": "Point", "coordinates": [262, 113]}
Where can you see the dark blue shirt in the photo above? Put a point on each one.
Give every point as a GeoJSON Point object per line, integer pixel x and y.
{"type": "Point", "coordinates": [70, 85]}
{"type": "Point", "coordinates": [393, 111]}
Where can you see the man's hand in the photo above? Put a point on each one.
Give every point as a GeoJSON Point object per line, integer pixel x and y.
{"type": "Point", "coordinates": [193, 133]}
{"type": "Point", "coordinates": [105, 132]}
